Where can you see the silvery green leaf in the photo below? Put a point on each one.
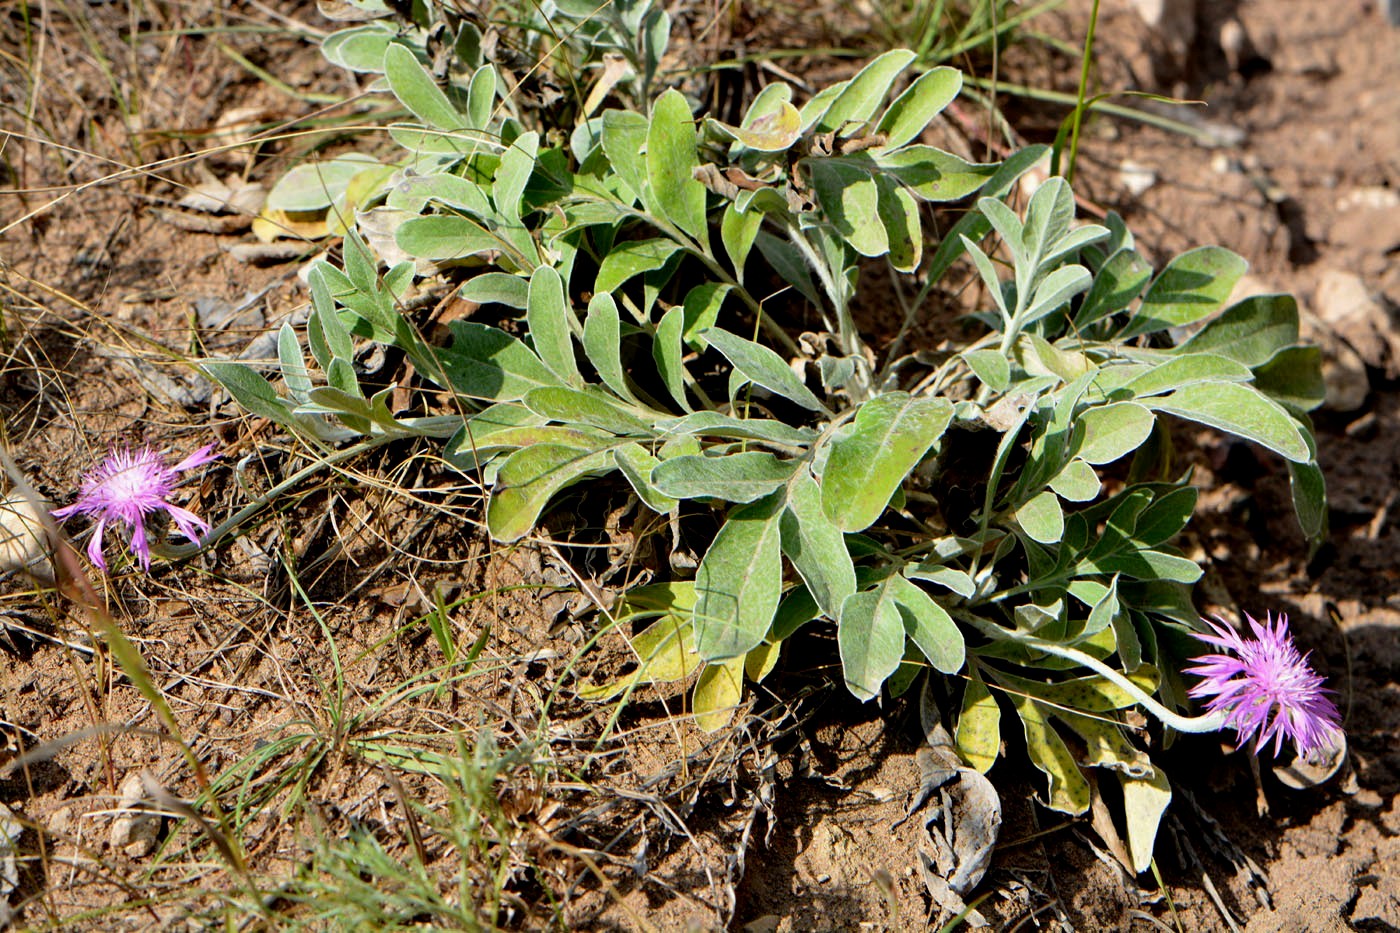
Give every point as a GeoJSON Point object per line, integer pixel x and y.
{"type": "Point", "coordinates": [739, 583]}
{"type": "Point", "coordinates": [714, 424]}
{"type": "Point", "coordinates": [1122, 278]}
{"type": "Point", "coordinates": [989, 276]}
{"type": "Point", "coordinates": [737, 231]}
{"type": "Point", "coordinates": [293, 362]}
{"type": "Point", "coordinates": [624, 140]}
{"type": "Point", "coordinates": [360, 49]}
{"type": "Point", "coordinates": [670, 165]}
{"type": "Point", "coordinates": [416, 90]}
{"type": "Point", "coordinates": [788, 263]}
{"type": "Point", "coordinates": [415, 191]}
{"type": "Point", "coordinates": [1192, 286]}
{"type": "Point", "coordinates": [602, 342]}
{"type": "Point", "coordinates": [900, 215]}
{"type": "Point", "coordinates": [636, 464]}
{"type": "Point", "coordinates": [486, 363]}
{"type": "Point", "coordinates": [1173, 373]}
{"type": "Point", "coordinates": [585, 406]}
{"type": "Point", "coordinates": [1042, 518]}
{"type": "Point", "coordinates": [1077, 482]}
{"type": "Point", "coordinates": [741, 477]}
{"type": "Point", "coordinates": [551, 322]}
{"type": "Point", "coordinates": [1055, 290]}
{"type": "Point", "coordinates": [912, 111]}
{"type": "Point", "coordinates": [513, 291]}
{"type": "Point", "coordinates": [850, 199]}
{"type": "Point", "coordinates": [928, 626]}
{"type": "Point", "coordinates": [1240, 410]}
{"type": "Point", "coordinates": [446, 236]}
{"type": "Point", "coordinates": [666, 351]}
{"type": "Point", "coordinates": [816, 547]}
{"type": "Point", "coordinates": [1293, 378]}
{"type": "Point", "coordinates": [529, 478]}
{"type": "Point", "coordinates": [1111, 431]}
{"type": "Point", "coordinates": [481, 97]}
{"type": "Point", "coordinates": [861, 95]}
{"type": "Point", "coordinates": [632, 258]}
{"type": "Point", "coordinates": [949, 578]}
{"type": "Point", "coordinates": [991, 366]}
{"type": "Point", "coordinates": [891, 434]}
{"type": "Point", "coordinates": [762, 366]}
{"type": "Point", "coordinates": [933, 175]}
{"type": "Point", "coordinates": [1251, 331]}
{"type": "Point", "coordinates": [870, 635]}
{"type": "Point", "coordinates": [313, 186]}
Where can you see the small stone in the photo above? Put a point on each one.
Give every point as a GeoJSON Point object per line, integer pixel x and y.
{"type": "Point", "coordinates": [24, 542]}
{"type": "Point", "coordinates": [1137, 179]}
{"type": "Point", "coordinates": [136, 829]}
{"type": "Point", "coordinates": [1347, 307]}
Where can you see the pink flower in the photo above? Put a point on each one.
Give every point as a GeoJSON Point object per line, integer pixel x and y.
{"type": "Point", "coordinates": [129, 487]}
{"type": "Point", "coordinates": [1265, 689]}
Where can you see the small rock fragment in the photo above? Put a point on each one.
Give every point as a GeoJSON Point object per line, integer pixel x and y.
{"type": "Point", "coordinates": [1137, 179]}
{"type": "Point", "coordinates": [24, 542]}
{"type": "Point", "coordinates": [136, 828]}
{"type": "Point", "coordinates": [1346, 306]}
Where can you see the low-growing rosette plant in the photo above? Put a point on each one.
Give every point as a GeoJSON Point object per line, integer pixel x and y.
{"type": "Point", "coordinates": [1000, 514]}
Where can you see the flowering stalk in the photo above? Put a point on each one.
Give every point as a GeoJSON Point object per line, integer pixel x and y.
{"type": "Point", "coordinates": [131, 487]}
{"type": "Point", "coordinates": [1265, 689]}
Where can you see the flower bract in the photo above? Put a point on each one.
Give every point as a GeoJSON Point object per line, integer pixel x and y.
{"type": "Point", "coordinates": [1265, 688]}
{"type": "Point", "coordinates": [129, 488]}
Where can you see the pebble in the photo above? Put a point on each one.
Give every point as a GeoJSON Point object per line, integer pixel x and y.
{"type": "Point", "coordinates": [1346, 305]}
{"type": "Point", "coordinates": [24, 544]}
{"type": "Point", "coordinates": [135, 830]}
{"type": "Point", "coordinates": [1137, 179]}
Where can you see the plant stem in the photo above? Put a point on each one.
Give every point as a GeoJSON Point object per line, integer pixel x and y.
{"type": "Point", "coordinates": [1084, 66]}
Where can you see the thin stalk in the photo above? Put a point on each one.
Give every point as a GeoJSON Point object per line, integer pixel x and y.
{"type": "Point", "coordinates": [1084, 65]}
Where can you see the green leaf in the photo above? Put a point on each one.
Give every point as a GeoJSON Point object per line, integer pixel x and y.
{"type": "Point", "coordinates": [870, 634]}
{"type": "Point", "coordinates": [548, 316]}
{"type": "Point", "coordinates": [671, 162]}
{"type": "Point", "coordinates": [481, 97]}
{"type": "Point", "coordinates": [862, 94]}
{"type": "Point", "coordinates": [1293, 378]}
{"type": "Point", "coordinates": [1121, 279]}
{"type": "Point", "coordinates": [915, 109]}
{"type": "Point", "coordinates": [950, 578]}
{"type": "Point", "coordinates": [851, 201]}
{"type": "Point", "coordinates": [529, 478]}
{"type": "Point", "coordinates": [664, 651]}
{"type": "Point", "coordinates": [1110, 431]}
{"type": "Point", "coordinates": [314, 186]}
{"type": "Point", "coordinates": [413, 193]}
{"type": "Point", "coordinates": [892, 432]}
{"type": "Point", "coordinates": [739, 583]}
{"type": "Point", "coordinates": [624, 141]}
{"type": "Point", "coordinates": [360, 49]}
{"type": "Point", "coordinates": [602, 343]}
{"type": "Point", "coordinates": [1251, 331]}
{"type": "Point", "coordinates": [416, 89]}
{"type": "Point", "coordinates": [636, 464]}
{"type": "Point", "coordinates": [991, 366]}
{"type": "Point", "coordinates": [572, 406]}
{"type": "Point", "coordinates": [773, 131]}
{"type": "Point", "coordinates": [1191, 287]}
{"type": "Point", "coordinates": [741, 477]}
{"type": "Point", "coordinates": [486, 363]}
{"type": "Point", "coordinates": [1077, 482]}
{"type": "Point", "coordinates": [1068, 788]}
{"type": "Point", "coordinates": [293, 362]}
{"type": "Point", "coordinates": [762, 366]}
{"type": "Point", "coordinates": [934, 175]}
{"type": "Point", "coordinates": [788, 263]}
{"type": "Point", "coordinates": [900, 215]}
{"type": "Point", "coordinates": [1042, 518]}
{"type": "Point", "coordinates": [979, 724]}
{"type": "Point", "coordinates": [702, 304]}
{"type": "Point", "coordinates": [1144, 802]}
{"type": "Point", "coordinates": [252, 391]}
{"type": "Point", "coordinates": [717, 694]}
{"type": "Point", "coordinates": [1187, 370]}
{"type": "Point", "coordinates": [1145, 565]}
{"type": "Point", "coordinates": [446, 236]}
{"type": "Point", "coordinates": [929, 626]}
{"type": "Point", "coordinates": [737, 231]}
{"type": "Point", "coordinates": [1309, 489]}
{"type": "Point", "coordinates": [1240, 410]}
{"type": "Point", "coordinates": [1055, 290]}
{"type": "Point", "coordinates": [632, 258]}
{"type": "Point", "coordinates": [1165, 517]}
{"type": "Point", "coordinates": [816, 547]}
{"type": "Point", "coordinates": [497, 287]}
{"type": "Point", "coordinates": [666, 351]}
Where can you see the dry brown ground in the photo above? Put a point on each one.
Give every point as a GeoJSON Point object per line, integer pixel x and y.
{"type": "Point", "coordinates": [304, 651]}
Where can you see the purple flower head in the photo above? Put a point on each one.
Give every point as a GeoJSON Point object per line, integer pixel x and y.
{"type": "Point", "coordinates": [129, 487]}
{"type": "Point", "coordinates": [1265, 688]}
